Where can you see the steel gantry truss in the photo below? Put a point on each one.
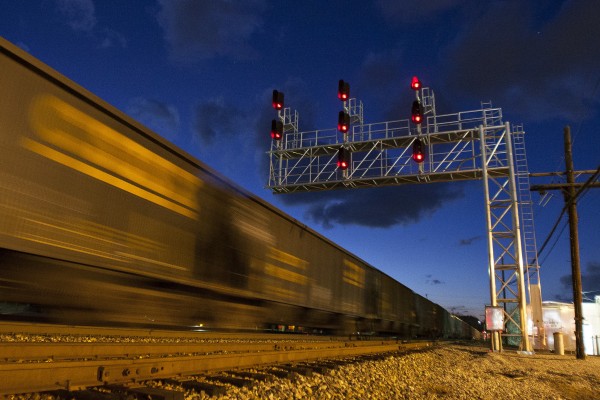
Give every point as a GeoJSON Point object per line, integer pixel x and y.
{"type": "Point", "coordinates": [467, 145]}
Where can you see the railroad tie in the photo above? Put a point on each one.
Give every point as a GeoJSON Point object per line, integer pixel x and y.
{"type": "Point", "coordinates": [88, 394]}
{"type": "Point", "coordinates": [208, 388]}
{"type": "Point", "coordinates": [299, 369]}
{"type": "Point", "coordinates": [157, 393]}
{"type": "Point", "coordinates": [257, 376]}
{"type": "Point", "coordinates": [232, 380]}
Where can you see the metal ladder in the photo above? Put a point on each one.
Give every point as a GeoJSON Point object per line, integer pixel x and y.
{"type": "Point", "coordinates": [525, 205]}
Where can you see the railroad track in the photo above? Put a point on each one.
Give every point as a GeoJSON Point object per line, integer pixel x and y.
{"type": "Point", "coordinates": [27, 367]}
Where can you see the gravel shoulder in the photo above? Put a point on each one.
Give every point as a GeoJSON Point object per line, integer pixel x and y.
{"type": "Point", "coordinates": [446, 372]}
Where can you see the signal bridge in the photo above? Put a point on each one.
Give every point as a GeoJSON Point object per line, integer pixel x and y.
{"type": "Point", "coordinates": [430, 148]}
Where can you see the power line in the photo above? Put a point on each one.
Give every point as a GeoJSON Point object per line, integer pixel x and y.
{"type": "Point", "coordinates": [583, 189]}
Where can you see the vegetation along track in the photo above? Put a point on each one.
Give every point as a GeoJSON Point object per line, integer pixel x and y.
{"type": "Point", "coordinates": [43, 358]}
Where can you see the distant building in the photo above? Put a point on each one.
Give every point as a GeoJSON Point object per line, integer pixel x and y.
{"type": "Point", "coordinates": [560, 317]}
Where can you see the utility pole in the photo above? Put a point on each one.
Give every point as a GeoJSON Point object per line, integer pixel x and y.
{"type": "Point", "coordinates": [571, 201]}
{"type": "Point", "coordinates": [570, 196]}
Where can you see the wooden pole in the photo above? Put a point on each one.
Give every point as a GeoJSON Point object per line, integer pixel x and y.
{"type": "Point", "coordinates": [570, 199]}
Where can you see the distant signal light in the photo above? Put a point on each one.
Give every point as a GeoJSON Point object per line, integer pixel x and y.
{"type": "Point", "coordinates": [343, 121]}
{"type": "Point", "coordinates": [416, 112]}
{"type": "Point", "coordinates": [343, 90]}
{"type": "Point", "coordinates": [343, 159]}
{"type": "Point", "coordinates": [278, 100]}
{"type": "Point", "coordinates": [418, 154]}
{"type": "Point", "coordinates": [415, 84]}
{"type": "Point", "coordinates": [276, 129]}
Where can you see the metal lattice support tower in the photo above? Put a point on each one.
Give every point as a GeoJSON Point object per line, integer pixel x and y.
{"type": "Point", "coordinates": [462, 146]}
{"type": "Point", "coordinates": [507, 283]}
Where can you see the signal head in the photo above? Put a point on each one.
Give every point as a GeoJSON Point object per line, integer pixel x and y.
{"type": "Point", "coordinates": [418, 154]}
{"type": "Point", "coordinates": [277, 100]}
{"type": "Point", "coordinates": [343, 121]}
{"type": "Point", "coordinates": [415, 84]}
{"type": "Point", "coordinates": [343, 90]}
{"type": "Point", "coordinates": [416, 112]}
{"type": "Point", "coordinates": [276, 129]}
{"type": "Point", "coordinates": [343, 159]}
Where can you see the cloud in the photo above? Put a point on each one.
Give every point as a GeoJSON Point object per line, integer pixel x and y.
{"type": "Point", "coordinates": [383, 74]}
{"type": "Point", "coordinates": [80, 14]}
{"type": "Point", "coordinates": [469, 241]}
{"type": "Point", "coordinates": [379, 207]}
{"type": "Point", "coordinates": [499, 54]}
{"type": "Point", "coordinates": [432, 281]}
{"type": "Point", "coordinates": [590, 281]}
{"type": "Point", "coordinates": [110, 38]}
{"type": "Point", "coordinates": [198, 30]}
{"type": "Point", "coordinates": [160, 117]}
{"type": "Point", "coordinates": [215, 118]}
{"type": "Point", "coordinates": [407, 11]}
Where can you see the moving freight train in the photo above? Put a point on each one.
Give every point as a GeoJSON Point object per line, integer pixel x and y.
{"type": "Point", "coordinates": [104, 222]}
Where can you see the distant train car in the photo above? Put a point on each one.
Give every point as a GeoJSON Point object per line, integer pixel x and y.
{"type": "Point", "coordinates": [104, 222]}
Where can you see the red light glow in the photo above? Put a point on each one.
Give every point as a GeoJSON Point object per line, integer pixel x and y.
{"type": "Point", "coordinates": [343, 90]}
{"type": "Point", "coordinates": [278, 100]}
{"type": "Point", "coordinates": [415, 84]}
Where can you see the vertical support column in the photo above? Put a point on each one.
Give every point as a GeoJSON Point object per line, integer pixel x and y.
{"type": "Point", "coordinates": [518, 248]}
{"type": "Point", "coordinates": [275, 178]}
{"type": "Point", "coordinates": [495, 340]}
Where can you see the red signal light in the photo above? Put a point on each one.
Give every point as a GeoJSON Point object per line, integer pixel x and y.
{"type": "Point", "coordinates": [418, 154]}
{"type": "Point", "coordinates": [276, 129]}
{"type": "Point", "coordinates": [343, 156]}
{"type": "Point", "coordinates": [277, 100]}
{"type": "Point", "coordinates": [343, 90]}
{"type": "Point", "coordinates": [416, 112]}
{"type": "Point", "coordinates": [343, 121]}
{"type": "Point", "coordinates": [415, 84]}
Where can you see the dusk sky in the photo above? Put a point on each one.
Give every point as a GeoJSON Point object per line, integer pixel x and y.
{"type": "Point", "coordinates": [200, 73]}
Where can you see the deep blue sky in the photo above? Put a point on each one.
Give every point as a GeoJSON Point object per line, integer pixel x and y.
{"type": "Point", "coordinates": [200, 73]}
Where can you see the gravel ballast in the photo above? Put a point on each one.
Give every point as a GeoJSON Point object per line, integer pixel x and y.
{"type": "Point", "coordinates": [447, 372]}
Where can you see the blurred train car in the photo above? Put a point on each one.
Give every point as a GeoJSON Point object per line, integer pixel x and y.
{"type": "Point", "coordinates": [104, 222]}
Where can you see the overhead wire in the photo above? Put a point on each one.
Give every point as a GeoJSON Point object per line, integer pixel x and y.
{"type": "Point", "coordinates": [579, 194]}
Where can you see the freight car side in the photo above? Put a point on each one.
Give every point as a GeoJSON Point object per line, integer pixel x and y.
{"type": "Point", "coordinates": [313, 283]}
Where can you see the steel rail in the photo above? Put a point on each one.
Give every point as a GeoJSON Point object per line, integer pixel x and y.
{"type": "Point", "coordinates": [47, 352]}
{"type": "Point", "coordinates": [71, 375]}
